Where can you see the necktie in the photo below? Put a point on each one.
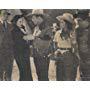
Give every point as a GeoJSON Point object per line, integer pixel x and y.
{"type": "Point", "coordinates": [5, 27]}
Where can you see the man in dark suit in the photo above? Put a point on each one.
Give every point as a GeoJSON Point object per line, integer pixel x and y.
{"type": "Point", "coordinates": [6, 47]}
{"type": "Point", "coordinates": [21, 49]}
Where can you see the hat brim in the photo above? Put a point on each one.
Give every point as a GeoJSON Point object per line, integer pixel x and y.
{"type": "Point", "coordinates": [59, 18]}
{"type": "Point", "coordinates": [30, 14]}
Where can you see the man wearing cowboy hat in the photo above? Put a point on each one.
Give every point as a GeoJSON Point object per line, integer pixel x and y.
{"type": "Point", "coordinates": [65, 62]}
{"type": "Point", "coordinates": [41, 42]}
{"type": "Point", "coordinates": [83, 34]}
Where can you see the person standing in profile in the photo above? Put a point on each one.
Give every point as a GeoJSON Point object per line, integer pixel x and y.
{"type": "Point", "coordinates": [66, 45]}
{"type": "Point", "coordinates": [21, 48]}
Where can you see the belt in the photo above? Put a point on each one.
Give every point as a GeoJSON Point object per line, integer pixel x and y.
{"type": "Point", "coordinates": [65, 48]}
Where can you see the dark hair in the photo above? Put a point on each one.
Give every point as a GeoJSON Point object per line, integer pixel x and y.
{"type": "Point", "coordinates": [69, 25]}
{"type": "Point", "coordinates": [66, 34]}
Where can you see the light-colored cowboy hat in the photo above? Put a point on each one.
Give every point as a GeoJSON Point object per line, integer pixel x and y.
{"type": "Point", "coordinates": [36, 12]}
{"type": "Point", "coordinates": [66, 16]}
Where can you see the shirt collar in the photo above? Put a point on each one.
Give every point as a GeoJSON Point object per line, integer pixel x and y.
{"type": "Point", "coordinates": [60, 31]}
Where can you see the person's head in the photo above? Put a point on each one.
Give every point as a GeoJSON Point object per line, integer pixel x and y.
{"type": "Point", "coordinates": [18, 20]}
{"type": "Point", "coordinates": [37, 16]}
{"type": "Point", "coordinates": [66, 21]}
{"type": "Point", "coordinates": [4, 15]}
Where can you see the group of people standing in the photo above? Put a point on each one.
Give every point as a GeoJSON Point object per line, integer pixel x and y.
{"type": "Point", "coordinates": [66, 42]}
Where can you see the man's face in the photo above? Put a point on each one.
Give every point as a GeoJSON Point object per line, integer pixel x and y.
{"type": "Point", "coordinates": [37, 20]}
{"type": "Point", "coordinates": [20, 22]}
{"type": "Point", "coordinates": [5, 17]}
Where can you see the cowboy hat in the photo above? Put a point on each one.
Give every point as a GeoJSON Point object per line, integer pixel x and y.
{"type": "Point", "coordinates": [16, 18]}
{"type": "Point", "coordinates": [36, 12]}
{"type": "Point", "coordinates": [66, 16]}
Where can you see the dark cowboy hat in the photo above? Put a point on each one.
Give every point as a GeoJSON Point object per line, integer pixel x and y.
{"type": "Point", "coordinates": [16, 17]}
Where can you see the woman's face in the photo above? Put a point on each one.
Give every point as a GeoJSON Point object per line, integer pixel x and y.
{"type": "Point", "coordinates": [62, 24]}
{"type": "Point", "coordinates": [37, 20]}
